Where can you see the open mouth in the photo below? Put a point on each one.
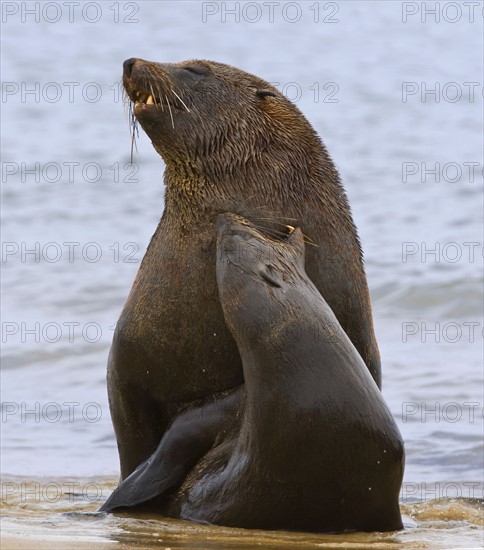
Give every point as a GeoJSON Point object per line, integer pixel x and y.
{"type": "Point", "coordinates": [145, 98]}
{"type": "Point", "coordinates": [142, 97]}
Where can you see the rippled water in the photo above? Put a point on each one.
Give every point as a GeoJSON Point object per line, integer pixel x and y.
{"type": "Point", "coordinates": [421, 233]}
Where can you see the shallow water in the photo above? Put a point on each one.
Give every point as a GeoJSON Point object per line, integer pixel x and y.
{"type": "Point", "coordinates": [421, 234]}
{"type": "Point", "coordinates": [65, 509]}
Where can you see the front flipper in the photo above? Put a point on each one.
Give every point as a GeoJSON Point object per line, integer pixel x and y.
{"type": "Point", "coordinates": [189, 438]}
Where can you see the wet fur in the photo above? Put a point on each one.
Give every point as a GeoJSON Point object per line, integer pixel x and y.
{"type": "Point", "coordinates": [307, 443]}
{"type": "Point", "coordinates": [227, 147]}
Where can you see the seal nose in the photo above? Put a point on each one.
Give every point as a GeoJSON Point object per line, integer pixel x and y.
{"type": "Point", "coordinates": [128, 66]}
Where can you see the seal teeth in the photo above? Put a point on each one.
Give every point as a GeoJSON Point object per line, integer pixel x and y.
{"type": "Point", "coordinates": [141, 97]}
{"type": "Point", "coordinates": [290, 229]}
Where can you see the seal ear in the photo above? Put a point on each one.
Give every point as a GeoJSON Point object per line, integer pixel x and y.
{"type": "Point", "coordinates": [264, 93]}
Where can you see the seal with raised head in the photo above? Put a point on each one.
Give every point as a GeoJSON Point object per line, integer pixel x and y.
{"type": "Point", "coordinates": [230, 142]}
{"type": "Point", "coordinates": [315, 448]}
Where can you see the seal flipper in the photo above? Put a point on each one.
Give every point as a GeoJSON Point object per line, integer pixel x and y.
{"type": "Point", "coordinates": [189, 438]}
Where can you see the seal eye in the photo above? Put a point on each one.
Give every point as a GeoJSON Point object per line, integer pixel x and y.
{"type": "Point", "coordinates": [264, 93]}
{"type": "Point", "coordinates": [200, 70]}
{"type": "Point", "coordinates": [271, 276]}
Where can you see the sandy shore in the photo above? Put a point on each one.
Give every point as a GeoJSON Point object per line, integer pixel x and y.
{"type": "Point", "coordinates": [31, 542]}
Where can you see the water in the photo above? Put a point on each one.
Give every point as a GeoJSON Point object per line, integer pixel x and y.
{"type": "Point", "coordinates": [427, 305]}
{"type": "Point", "coordinates": [63, 510]}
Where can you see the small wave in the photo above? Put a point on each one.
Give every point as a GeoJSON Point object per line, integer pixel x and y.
{"type": "Point", "coordinates": [455, 299]}
{"type": "Point", "coordinates": [443, 512]}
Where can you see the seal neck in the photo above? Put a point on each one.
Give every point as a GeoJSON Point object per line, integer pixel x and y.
{"type": "Point", "coordinates": [195, 191]}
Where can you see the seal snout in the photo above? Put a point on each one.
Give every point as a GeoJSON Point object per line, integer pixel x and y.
{"type": "Point", "coordinates": [128, 66]}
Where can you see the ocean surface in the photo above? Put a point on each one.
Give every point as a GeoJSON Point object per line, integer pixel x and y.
{"type": "Point", "coordinates": [394, 89]}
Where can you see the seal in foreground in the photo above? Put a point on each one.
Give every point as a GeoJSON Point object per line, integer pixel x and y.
{"type": "Point", "coordinates": [315, 448]}
{"type": "Point", "coordinates": [230, 142]}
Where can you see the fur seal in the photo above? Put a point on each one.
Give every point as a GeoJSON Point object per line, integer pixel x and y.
{"type": "Point", "coordinates": [230, 142]}
{"type": "Point", "coordinates": [316, 447]}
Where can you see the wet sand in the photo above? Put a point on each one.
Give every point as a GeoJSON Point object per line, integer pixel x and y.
{"type": "Point", "coordinates": [28, 543]}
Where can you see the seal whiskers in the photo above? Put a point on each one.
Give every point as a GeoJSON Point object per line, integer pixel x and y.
{"type": "Point", "coordinates": [160, 97]}
{"type": "Point", "coordinates": [153, 95]}
{"type": "Point", "coordinates": [171, 114]}
{"type": "Point", "coordinates": [181, 101]}
{"type": "Point", "coordinates": [134, 131]}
